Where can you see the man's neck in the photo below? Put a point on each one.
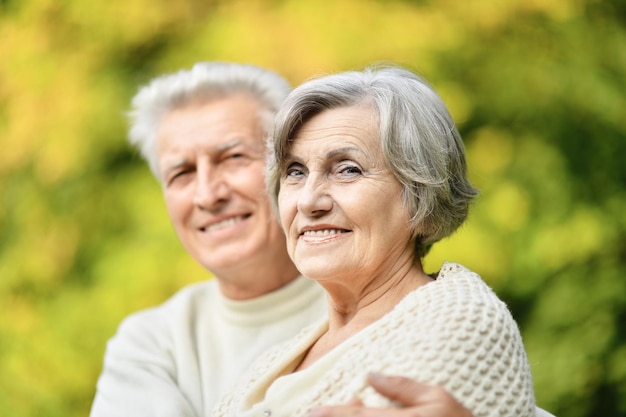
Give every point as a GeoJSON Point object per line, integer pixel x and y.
{"type": "Point", "coordinates": [255, 280]}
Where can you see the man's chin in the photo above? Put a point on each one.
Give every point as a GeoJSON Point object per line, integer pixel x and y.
{"type": "Point", "coordinates": [224, 260]}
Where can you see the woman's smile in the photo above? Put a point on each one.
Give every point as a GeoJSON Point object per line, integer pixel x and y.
{"type": "Point", "coordinates": [339, 203]}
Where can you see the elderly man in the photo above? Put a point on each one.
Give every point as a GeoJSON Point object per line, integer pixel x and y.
{"type": "Point", "coordinates": [202, 133]}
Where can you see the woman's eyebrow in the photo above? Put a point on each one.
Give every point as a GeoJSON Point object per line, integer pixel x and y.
{"type": "Point", "coordinates": [343, 150]}
{"type": "Point", "coordinates": [331, 154]}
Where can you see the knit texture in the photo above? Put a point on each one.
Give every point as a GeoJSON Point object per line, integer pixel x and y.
{"type": "Point", "coordinates": [453, 332]}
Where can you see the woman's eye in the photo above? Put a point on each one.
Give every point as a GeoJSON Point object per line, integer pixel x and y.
{"type": "Point", "coordinates": [294, 171]}
{"type": "Point", "coordinates": [349, 170]}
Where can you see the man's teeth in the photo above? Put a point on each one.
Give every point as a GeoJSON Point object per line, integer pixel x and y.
{"type": "Point", "coordinates": [321, 233]}
{"type": "Point", "coordinates": [224, 223]}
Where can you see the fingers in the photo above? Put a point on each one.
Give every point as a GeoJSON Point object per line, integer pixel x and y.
{"type": "Point", "coordinates": [413, 399]}
{"type": "Point", "coordinates": [356, 402]}
{"type": "Point", "coordinates": [353, 407]}
{"type": "Point", "coordinates": [337, 411]}
{"type": "Point", "coordinates": [405, 391]}
{"type": "Point", "coordinates": [417, 399]}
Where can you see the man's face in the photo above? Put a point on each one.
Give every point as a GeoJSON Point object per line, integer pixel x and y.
{"type": "Point", "coordinates": [211, 161]}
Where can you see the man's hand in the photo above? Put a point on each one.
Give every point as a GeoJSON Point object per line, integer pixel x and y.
{"type": "Point", "coordinates": [415, 400]}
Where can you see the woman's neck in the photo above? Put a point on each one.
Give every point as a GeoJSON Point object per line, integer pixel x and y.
{"type": "Point", "coordinates": [351, 311]}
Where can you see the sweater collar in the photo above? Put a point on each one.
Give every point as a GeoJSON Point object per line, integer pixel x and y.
{"type": "Point", "coordinates": [272, 306]}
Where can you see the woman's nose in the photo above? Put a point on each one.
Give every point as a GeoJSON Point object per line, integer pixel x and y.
{"type": "Point", "coordinates": [314, 199]}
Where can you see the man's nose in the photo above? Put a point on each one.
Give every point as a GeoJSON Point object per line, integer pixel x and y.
{"type": "Point", "coordinates": [212, 188]}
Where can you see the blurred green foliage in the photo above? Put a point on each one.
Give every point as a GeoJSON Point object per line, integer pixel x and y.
{"type": "Point", "coordinates": [536, 86]}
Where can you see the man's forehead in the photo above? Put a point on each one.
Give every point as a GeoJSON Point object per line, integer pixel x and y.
{"type": "Point", "coordinates": [177, 152]}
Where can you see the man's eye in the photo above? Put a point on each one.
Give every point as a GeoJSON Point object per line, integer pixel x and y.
{"type": "Point", "coordinates": [178, 174]}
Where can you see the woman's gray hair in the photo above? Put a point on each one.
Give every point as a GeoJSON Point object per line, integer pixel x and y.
{"type": "Point", "coordinates": [204, 82]}
{"type": "Point", "coordinates": [420, 142]}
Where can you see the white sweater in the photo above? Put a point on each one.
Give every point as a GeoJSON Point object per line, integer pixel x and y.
{"type": "Point", "coordinates": [453, 332]}
{"type": "Point", "coordinates": [179, 358]}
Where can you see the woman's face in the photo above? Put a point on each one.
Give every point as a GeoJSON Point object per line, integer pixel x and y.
{"type": "Point", "coordinates": [340, 206]}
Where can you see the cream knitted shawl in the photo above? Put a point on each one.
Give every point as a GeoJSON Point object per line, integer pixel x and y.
{"type": "Point", "coordinates": [453, 332]}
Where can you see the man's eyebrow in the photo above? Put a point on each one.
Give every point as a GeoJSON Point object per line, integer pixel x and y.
{"type": "Point", "coordinates": [229, 145]}
{"type": "Point", "coordinates": [218, 149]}
{"type": "Point", "coordinates": [176, 165]}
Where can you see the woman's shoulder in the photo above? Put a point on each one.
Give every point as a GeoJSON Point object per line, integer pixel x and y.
{"type": "Point", "coordinates": [455, 332]}
{"type": "Point", "coordinates": [458, 288]}
{"type": "Point", "coordinates": [458, 305]}
{"type": "Point", "coordinates": [454, 274]}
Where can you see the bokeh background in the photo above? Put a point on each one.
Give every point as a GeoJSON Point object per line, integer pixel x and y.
{"type": "Point", "coordinates": [537, 88]}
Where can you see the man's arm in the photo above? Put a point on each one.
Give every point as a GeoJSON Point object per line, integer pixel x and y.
{"type": "Point", "coordinates": [414, 399]}
{"type": "Point", "coordinates": [138, 376]}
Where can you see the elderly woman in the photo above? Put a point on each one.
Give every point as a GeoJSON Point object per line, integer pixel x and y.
{"type": "Point", "coordinates": [368, 171]}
